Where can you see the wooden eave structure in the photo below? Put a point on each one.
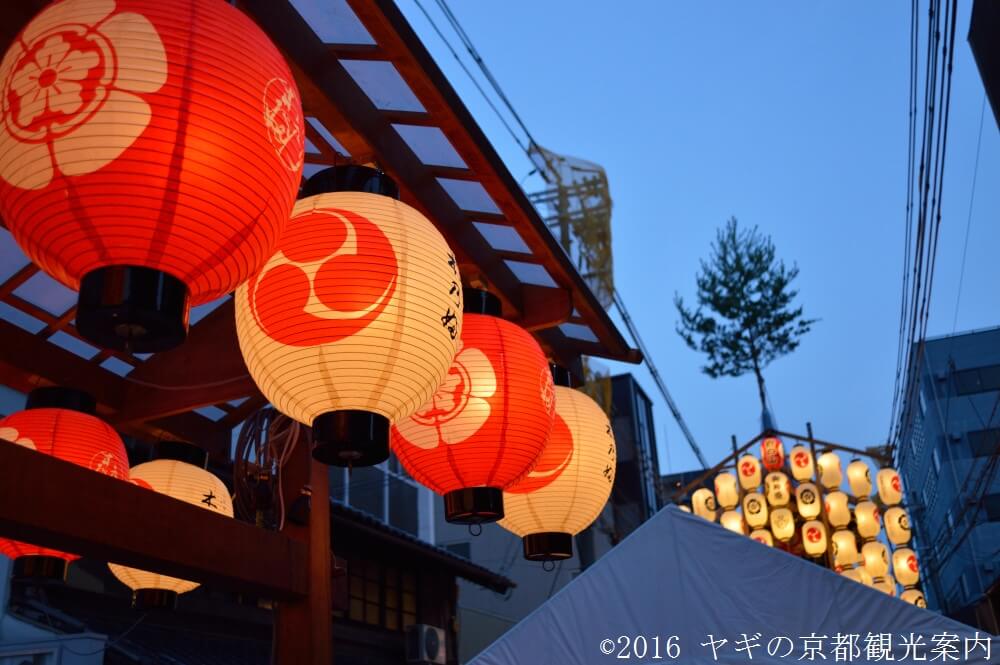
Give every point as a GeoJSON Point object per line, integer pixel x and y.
{"type": "Point", "coordinates": [155, 397]}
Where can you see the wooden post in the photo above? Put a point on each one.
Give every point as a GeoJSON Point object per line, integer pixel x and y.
{"type": "Point", "coordinates": [303, 629]}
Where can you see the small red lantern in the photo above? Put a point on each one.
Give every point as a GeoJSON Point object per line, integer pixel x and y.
{"type": "Point", "coordinates": [59, 422]}
{"type": "Point", "coordinates": [150, 153]}
{"type": "Point", "coordinates": [772, 453]}
{"type": "Point", "coordinates": [487, 424]}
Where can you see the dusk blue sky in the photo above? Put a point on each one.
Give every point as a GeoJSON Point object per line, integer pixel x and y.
{"type": "Point", "coordinates": [792, 116]}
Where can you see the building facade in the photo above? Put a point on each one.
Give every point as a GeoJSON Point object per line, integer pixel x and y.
{"type": "Point", "coordinates": [949, 461]}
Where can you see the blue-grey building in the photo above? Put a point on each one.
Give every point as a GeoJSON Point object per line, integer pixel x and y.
{"type": "Point", "coordinates": [951, 470]}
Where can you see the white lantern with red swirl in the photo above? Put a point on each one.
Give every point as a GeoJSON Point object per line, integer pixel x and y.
{"type": "Point", "coordinates": [150, 153]}
{"type": "Point", "coordinates": [704, 505]}
{"type": "Point", "coordinates": [814, 538]}
{"type": "Point", "coordinates": [772, 453]}
{"type": "Point", "coordinates": [778, 489]}
{"type": "Point", "coordinates": [828, 470]}
{"type": "Point", "coordinates": [755, 510]}
{"type": "Point", "coordinates": [859, 478]}
{"type": "Point", "coordinates": [890, 489]}
{"type": "Point", "coordinates": [801, 462]}
{"type": "Point", "coordinates": [749, 472]}
{"type": "Point", "coordinates": [897, 525]}
{"type": "Point", "coordinates": [762, 536]}
{"type": "Point", "coordinates": [906, 567]}
{"type": "Point", "coordinates": [838, 512]}
{"type": "Point", "coordinates": [354, 322]}
{"type": "Point", "coordinates": [807, 500]}
{"type": "Point", "coordinates": [867, 519]}
{"type": "Point", "coordinates": [782, 524]}
{"type": "Point", "coordinates": [727, 490]}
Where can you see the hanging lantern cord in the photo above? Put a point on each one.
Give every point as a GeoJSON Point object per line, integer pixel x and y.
{"type": "Point", "coordinates": [548, 565]}
{"type": "Point", "coordinates": [475, 530]}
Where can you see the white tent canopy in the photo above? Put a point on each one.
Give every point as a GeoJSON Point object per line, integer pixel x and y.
{"type": "Point", "coordinates": [680, 582]}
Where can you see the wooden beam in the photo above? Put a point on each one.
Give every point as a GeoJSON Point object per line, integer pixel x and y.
{"type": "Point", "coordinates": [545, 307]}
{"type": "Point", "coordinates": [57, 504]}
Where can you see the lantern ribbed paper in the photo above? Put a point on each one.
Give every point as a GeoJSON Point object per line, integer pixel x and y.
{"type": "Point", "coordinates": [897, 525]}
{"type": "Point", "coordinates": [749, 472]}
{"type": "Point", "coordinates": [777, 488]}
{"type": "Point", "coordinates": [860, 479]}
{"type": "Point", "coordinates": [490, 419]}
{"type": "Point", "coordinates": [569, 486]}
{"type": "Point", "coordinates": [187, 483]}
{"type": "Point", "coordinates": [72, 437]}
{"type": "Point", "coordinates": [727, 490]}
{"type": "Point", "coordinates": [866, 519]}
{"type": "Point", "coordinates": [905, 566]}
{"type": "Point", "coordinates": [828, 470]}
{"type": "Point", "coordinates": [801, 463]}
{"type": "Point", "coordinates": [782, 524]}
{"type": "Point", "coordinates": [875, 557]}
{"type": "Point", "coordinates": [704, 505]}
{"type": "Point", "coordinates": [845, 548]}
{"type": "Point", "coordinates": [360, 309]}
{"type": "Point", "coordinates": [755, 509]}
{"type": "Point", "coordinates": [807, 500]}
{"type": "Point", "coordinates": [890, 490]}
{"type": "Point", "coordinates": [814, 538]}
{"type": "Point", "coordinates": [838, 511]}
{"type": "Point", "coordinates": [165, 135]}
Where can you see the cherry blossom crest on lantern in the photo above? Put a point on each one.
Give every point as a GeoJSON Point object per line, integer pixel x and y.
{"type": "Point", "coordinates": [75, 70]}
{"type": "Point", "coordinates": [459, 407]}
{"type": "Point", "coordinates": [12, 435]}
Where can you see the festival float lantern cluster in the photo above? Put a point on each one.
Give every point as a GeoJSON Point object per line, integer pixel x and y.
{"type": "Point", "coordinates": [829, 515]}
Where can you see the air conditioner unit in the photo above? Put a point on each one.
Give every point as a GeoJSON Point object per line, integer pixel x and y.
{"type": "Point", "coordinates": [425, 644]}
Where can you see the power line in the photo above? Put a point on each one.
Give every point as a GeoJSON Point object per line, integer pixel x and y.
{"type": "Point", "coordinates": [968, 221]}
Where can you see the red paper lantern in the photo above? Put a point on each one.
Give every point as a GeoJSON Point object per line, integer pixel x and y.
{"type": "Point", "coordinates": [150, 153]}
{"type": "Point", "coordinates": [72, 436]}
{"type": "Point", "coordinates": [772, 453]}
{"type": "Point", "coordinates": [487, 424]}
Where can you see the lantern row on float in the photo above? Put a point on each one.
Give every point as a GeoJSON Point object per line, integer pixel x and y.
{"type": "Point", "coordinates": [829, 525]}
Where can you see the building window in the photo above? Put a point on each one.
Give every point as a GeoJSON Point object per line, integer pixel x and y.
{"type": "Point", "coordinates": [384, 491]}
{"type": "Point", "coordinates": [984, 442]}
{"type": "Point", "coordinates": [977, 380]}
{"type": "Point", "coordinates": [380, 595]}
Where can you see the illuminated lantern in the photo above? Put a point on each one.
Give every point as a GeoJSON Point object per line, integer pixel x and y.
{"type": "Point", "coordinates": [884, 585]}
{"type": "Point", "coordinates": [801, 463]}
{"type": "Point", "coordinates": [727, 490]}
{"type": "Point", "coordinates": [866, 518]}
{"type": "Point", "coordinates": [859, 575]}
{"type": "Point", "coordinates": [890, 489]}
{"type": "Point", "coordinates": [355, 321]}
{"type": "Point", "coordinates": [149, 154]}
{"type": "Point", "coordinates": [845, 548]}
{"type": "Point", "coordinates": [914, 597]}
{"type": "Point", "coordinates": [837, 510]}
{"type": "Point", "coordinates": [778, 489]}
{"type": "Point", "coordinates": [755, 509]}
{"type": "Point", "coordinates": [905, 566]}
{"type": "Point", "coordinates": [875, 558]}
{"type": "Point", "coordinates": [569, 485]}
{"type": "Point", "coordinates": [772, 453]}
{"type": "Point", "coordinates": [60, 422]}
{"type": "Point", "coordinates": [807, 500]}
{"type": "Point", "coordinates": [814, 538]}
{"type": "Point", "coordinates": [763, 536]}
{"type": "Point", "coordinates": [685, 508]}
{"type": "Point", "coordinates": [859, 478]}
{"type": "Point", "coordinates": [782, 524]}
{"type": "Point", "coordinates": [704, 505]}
{"type": "Point", "coordinates": [897, 526]}
{"type": "Point", "coordinates": [179, 472]}
{"type": "Point", "coordinates": [750, 474]}
{"type": "Point", "coordinates": [733, 521]}
{"type": "Point", "coordinates": [828, 470]}
{"type": "Point", "coordinates": [487, 424]}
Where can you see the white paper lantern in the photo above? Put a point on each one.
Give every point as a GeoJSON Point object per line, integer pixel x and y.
{"type": "Point", "coordinates": [703, 504]}
{"type": "Point", "coordinates": [727, 490]}
{"type": "Point", "coordinates": [845, 548]}
{"type": "Point", "coordinates": [778, 489]}
{"type": "Point", "coordinates": [859, 478]}
{"type": "Point", "coordinates": [733, 521]}
{"type": "Point", "coordinates": [801, 463]}
{"type": "Point", "coordinates": [875, 558]}
{"type": "Point", "coordinates": [685, 508]}
{"type": "Point", "coordinates": [838, 512]}
{"type": "Point", "coordinates": [828, 470]}
{"type": "Point", "coordinates": [763, 536]}
{"type": "Point", "coordinates": [755, 510]}
{"type": "Point", "coordinates": [782, 524]}
{"type": "Point", "coordinates": [807, 500]}
{"type": "Point", "coordinates": [814, 538]}
{"type": "Point", "coordinates": [866, 518]}
{"type": "Point", "coordinates": [885, 585]}
{"type": "Point", "coordinates": [859, 575]}
{"type": "Point", "coordinates": [914, 597]}
{"type": "Point", "coordinates": [890, 489]}
{"type": "Point", "coordinates": [905, 566]}
{"type": "Point", "coordinates": [750, 473]}
{"type": "Point", "coordinates": [897, 525]}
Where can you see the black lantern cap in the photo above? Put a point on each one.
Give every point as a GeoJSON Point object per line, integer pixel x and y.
{"type": "Point", "coordinates": [154, 599]}
{"type": "Point", "coordinates": [40, 568]}
{"type": "Point", "coordinates": [58, 397]}
{"type": "Point", "coordinates": [480, 301]}
{"type": "Point", "coordinates": [474, 505]}
{"type": "Point", "coordinates": [351, 438]}
{"type": "Point", "coordinates": [132, 308]}
{"type": "Point", "coordinates": [561, 376]}
{"type": "Point", "coordinates": [548, 546]}
{"type": "Point", "coordinates": [181, 451]}
{"type": "Point", "coordinates": [350, 178]}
